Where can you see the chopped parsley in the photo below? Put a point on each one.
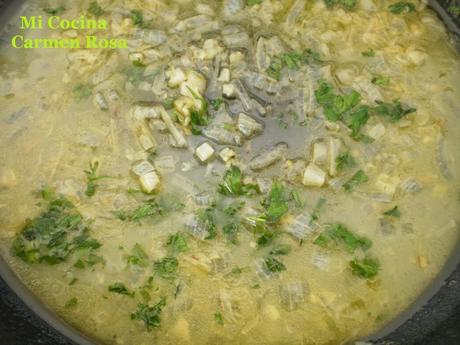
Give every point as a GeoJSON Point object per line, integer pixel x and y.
{"type": "Point", "coordinates": [137, 17]}
{"type": "Point", "coordinates": [138, 256]}
{"type": "Point", "coordinates": [310, 56]}
{"type": "Point", "coordinates": [366, 268]}
{"type": "Point", "coordinates": [281, 123]}
{"type": "Point", "coordinates": [89, 261]}
{"type": "Point", "coordinates": [303, 123]}
{"type": "Point", "coordinates": [145, 295]}
{"type": "Point", "coordinates": [454, 10]}
{"type": "Point", "coordinates": [47, 193]}
{"type": "Point", "coordinates": [253, 2]}
{"type": "Point", "coordinates": [402, 7]}
{"type": "Point", "coordinates": [134, 191]}
{"type": "Point", "coordinates": [274, 265]}
{"type": "Point", "coordinates": [344, 161]}
{"type": "Point", "coordinates": [54, 235]}
{"type": "Point", "coordinates": [166, 268]}
{"type": "Point", "coordinates": [394, 212]}
{"type": "Point", "coordinates": [347, 108]}
{"type": "Point", "coordinates": [358, 178]}
{"type": "Point", "coordinates": [93, 259]}
{"type": "Point", "coordinates": [276, 203]}
{"type": "Point", "coordinates": [81, 91]}
{"type": "Point", "coordinates": [281, 249]}
{"type": "Point", "coordinates": [229, 127]}
{"type": "Point", "coordinates": [381, 80]}
{"type": "Point", "coordinates": [149, 209]}
{"type": "Point", "coordinates": [356, 120]}
{"type": "Point", "coordinates": [177, 243]}
{"type": "Point", "coordinates": [339, 234]}
{"type": "Point", "coordinates": [395, 111]}
{"type": "Point", "coordinates": [92, 177]}
{"type": "Point", "coordinates": [216, 103]}
{"type": "Point", "coordinates": [54, 11]}
{"type": "Point", "coordinates": [234, 208]}
{"type": "Point", "coordinates": [121, 289]}
{"type": "Point", "coordinates": [368, 53]}
{"type": "Point", "coordinates": [335, 105]}
{"type": "Point", "coordinates": [266, 235]}
{"type": "Point", "coordinates": [319, 205]}
{"type": "Point", "coordinates": [150, 315]}
{"type": "Point", "coordinates": [348, 5]}
{"type": "Point", "coordinates": [292, 61]}
{"type": "Point", "coordinates": [134, 72]}
{"type": "Point", "coordinates": [138, 63]}
{"type": "Point", "coordinates": [231, 232]}
{"type": "Point", "coordinates": [79, 264]}
{"type": "Point", "coordinates": [239, 270]}
{"type": "Point", "coordinates": [71, 303]}
{"type": "Point", "coordinates": [297, 199]}
{"type": "Point", "coordinates": [219, 318]}
{"type": "Point", "coordinates": [325, 94]}
{"type": "Point", "coordinates": [233, 184]}
{"type": "Point", "coordinates": [95, 9]}
{"type": "Point", "coordinates": [274, 70]}
{"type": "Point", "coordinates": [206, 221]}
{"type": "Point", "coordinates": [168, 103]}
{"type": "Point", "coordinates": [199, 117]}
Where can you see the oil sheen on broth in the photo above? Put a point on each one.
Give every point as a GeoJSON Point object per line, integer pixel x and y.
{"type": "Point", "coordinates": [246, 172]}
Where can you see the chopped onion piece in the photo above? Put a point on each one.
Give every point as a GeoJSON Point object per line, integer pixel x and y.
{"type": "Point", "coordinates": [314, 176]}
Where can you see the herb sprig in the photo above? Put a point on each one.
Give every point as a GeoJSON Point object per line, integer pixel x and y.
{"type": "Point", "coordinates": [366, 268]}
{"type": "Point", "coordinates": [54, 235]}
{"type": "Point", "coordinates": [92, 177]}
{"type": "Point", "coordinates": [292, 61]}
{"type": "Point", "coordinates": [149, 315]}
{"type": "Point", "coordinates": [233, 184]}
{"type": "Point", "coordinates": [402, 7]}
{"type": "Point", "coordinates": [340, 234]}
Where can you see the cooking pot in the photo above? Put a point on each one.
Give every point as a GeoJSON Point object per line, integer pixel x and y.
{"type": "Point", "coordinates": [434, 319]}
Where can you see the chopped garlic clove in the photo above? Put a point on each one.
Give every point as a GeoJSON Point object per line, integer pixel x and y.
{"type": "Point", "coordinates": [177, 136]}
{"type": "Point", "coordinates": [142, 168]}
{"type": "Point", "coordinates": [211, 48]}
{"type": "Point", "coordinates": [247, 125]}
{"type": "Point", "coordinates": [334, 152]}
{"type": "Point", "coordinates": [100, 101]}
{"type": "Point", "coordinates": [319, 153]}
{"type": "Point", "coordinates": [236, 57]}
{"type": "Point", "coordinates": [314, 176]}
{"type": "Point", "coordinates": [149, 182]}
{"type": "Point", "coordinates": [136, 57]}
{"type": "Point", "coordinates": [175, 77]}
{"type": "Point", "coordinates": [184, 105]}
{"type": "Point", "coordinates": [376, 132]}
{"type": "Point", "coordinates": [142, 112]}
{"type": "Point", "coordinates": [195, 82]}
{"type": "Point", "coordinates": [229, 90]}
{"type": "Point", "coordinates": [226, 154]}
{"type": "Point", "coordinates": [147, 143]}
{"type": "Point", "coordinates": [224, 76]}
{"type": "Point", "coordinates": [204, 152]}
